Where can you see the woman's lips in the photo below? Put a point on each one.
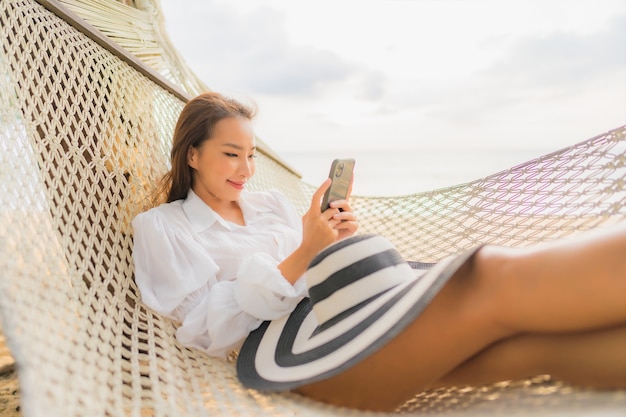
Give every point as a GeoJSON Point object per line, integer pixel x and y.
{"type": "Point", "coordinates": [237, 185]}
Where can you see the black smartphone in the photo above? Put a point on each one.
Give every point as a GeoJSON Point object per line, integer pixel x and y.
{"type": "Point", "coordinates": [341, 172]}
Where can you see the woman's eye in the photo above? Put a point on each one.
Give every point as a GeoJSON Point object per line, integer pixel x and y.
{"type": "Point", "coordinates": [253, 156]}
{"type": "Point", "coordinates": [230, 155]}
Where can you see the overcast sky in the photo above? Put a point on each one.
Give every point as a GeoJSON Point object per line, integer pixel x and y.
{"type": "Point", "coordinates": [412, 74]}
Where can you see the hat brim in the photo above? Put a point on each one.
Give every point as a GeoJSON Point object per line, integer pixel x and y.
{"type": "Point", "coordinates": [292, 351]}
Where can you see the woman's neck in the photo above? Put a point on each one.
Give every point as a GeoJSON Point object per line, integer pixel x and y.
{"type": "Point", "coordinates": [228, 210]}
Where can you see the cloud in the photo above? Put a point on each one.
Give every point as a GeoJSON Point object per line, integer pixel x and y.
{"type": "Point", "coordinates": [373, 86]}
{"type": "Point", "coordinates": [288, 70]}
{"type": "Point", "coordinates": [536, 71]}
{"type": "Point", "coordinates": [250, 51]}
{"type": "Point", "coordinates": [564, 60]}
{"type": "Point", "coordinates": [458, 90]}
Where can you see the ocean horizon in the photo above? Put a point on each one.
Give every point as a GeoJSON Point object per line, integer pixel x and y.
{"type": "Point", "coordinates": [401, 172]}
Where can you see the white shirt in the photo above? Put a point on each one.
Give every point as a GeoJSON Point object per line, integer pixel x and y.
{"type": "Point", "coordinates": [219, 279]}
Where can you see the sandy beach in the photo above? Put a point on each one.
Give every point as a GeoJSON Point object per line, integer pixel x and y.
{"type": "Point", "coordinates": [9, 387]}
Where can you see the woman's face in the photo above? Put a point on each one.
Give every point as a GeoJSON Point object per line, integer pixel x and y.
{"type": "Point", "coordinates": [224, 163]}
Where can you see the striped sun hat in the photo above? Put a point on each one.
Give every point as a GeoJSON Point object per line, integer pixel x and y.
{"type": "Point", "coordinates": [362, 294]}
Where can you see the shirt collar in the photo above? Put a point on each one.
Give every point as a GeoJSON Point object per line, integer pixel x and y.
{"type": "Point", "coordinates": [248, 208]}
{"type": "Point", "coordinates": [202, 216]}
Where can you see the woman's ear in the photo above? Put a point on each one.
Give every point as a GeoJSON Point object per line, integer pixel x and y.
{"type": "Point", "coordinates": [192, 157]}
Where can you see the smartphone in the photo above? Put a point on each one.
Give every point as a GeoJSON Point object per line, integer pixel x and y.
{"type": "Point", "coordinates": [341, 171]}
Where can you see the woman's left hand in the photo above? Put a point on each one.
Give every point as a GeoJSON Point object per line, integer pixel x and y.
{"type": "Point", "coordinates": [346, 222]}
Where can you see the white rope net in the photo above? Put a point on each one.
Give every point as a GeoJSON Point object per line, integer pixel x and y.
{"type": "Point", "coordinates": [84, 135]}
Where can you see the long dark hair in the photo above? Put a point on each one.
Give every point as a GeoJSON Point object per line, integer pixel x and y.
{"type": "Point", "coordinates": [196, 124]}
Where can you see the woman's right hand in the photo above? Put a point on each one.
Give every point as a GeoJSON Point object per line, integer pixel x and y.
{"type": "Point", "coordinates": [318, 231]}
{"type": "Point", "coordinates": [318, 228]}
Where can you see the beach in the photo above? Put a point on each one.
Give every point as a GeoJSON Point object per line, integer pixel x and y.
{"type": "Point", "coordinates": [9, 387]}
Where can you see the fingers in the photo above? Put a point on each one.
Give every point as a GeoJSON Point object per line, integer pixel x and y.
{"type": "Point", "coordinates": [316, 200]}
{"type": "Point", "coordinates": [345, 220]}
{"type": "Point", "coordinates": [346, 229]}
{"type": "Point", "coordinates": [344, 216]}
{"type": "Point", "coordinates": [335, 223]}
{"type": "Point", "coordinates": [342, 205]}
{"type": "Point", "coordinates": [347, 223]}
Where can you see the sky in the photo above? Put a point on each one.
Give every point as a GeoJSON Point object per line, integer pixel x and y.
{"type": "Point", "coordinates": [409, 75]}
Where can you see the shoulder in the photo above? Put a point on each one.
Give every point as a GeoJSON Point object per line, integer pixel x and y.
{"type": "Point", "coordinates": [167, 213]}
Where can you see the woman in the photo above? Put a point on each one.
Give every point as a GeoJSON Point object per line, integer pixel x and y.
{"type": "Point", "coordinates": [221, 260]}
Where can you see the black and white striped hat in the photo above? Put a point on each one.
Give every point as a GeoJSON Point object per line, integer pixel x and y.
{"type": "Point", "coordinates": [362, 294]}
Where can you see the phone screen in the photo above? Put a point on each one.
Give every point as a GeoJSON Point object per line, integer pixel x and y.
{"type": "Point", "coordinates": [340, 173]}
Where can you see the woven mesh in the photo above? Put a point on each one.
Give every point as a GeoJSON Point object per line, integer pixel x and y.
{"type": "Point", "coordinates": [577, 188]}
{"type": "Point", "coordinates": [139, 30]}
{"type": "Point", "coordinates": [83, 136]}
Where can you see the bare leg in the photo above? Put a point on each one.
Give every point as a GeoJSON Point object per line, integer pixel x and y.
{"type": "Point", "coordinates": [453, 328]}
{"type": "Point", "coordinates": [595, 358]}
{"type": "Point", "coordinates": [571, 286]}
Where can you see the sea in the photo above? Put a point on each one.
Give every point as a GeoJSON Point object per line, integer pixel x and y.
{"type": "Point", "coordinates": [402, 172]}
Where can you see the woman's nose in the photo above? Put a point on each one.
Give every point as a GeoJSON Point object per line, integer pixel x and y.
{"type": "Point", "coordinates": [246, 168]}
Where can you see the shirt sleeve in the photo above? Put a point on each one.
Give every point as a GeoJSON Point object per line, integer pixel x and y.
{"type": "Point", "coordinates": [169, 263]}
{"type": "Point", "coordinates": [261, 289]}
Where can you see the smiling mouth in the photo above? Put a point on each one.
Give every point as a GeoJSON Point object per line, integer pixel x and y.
{"type": "Point", "coordinates": [237, 185]}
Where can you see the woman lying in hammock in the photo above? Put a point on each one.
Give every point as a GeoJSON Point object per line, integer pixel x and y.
{"type": "Point", "coordinates": [368, 332]}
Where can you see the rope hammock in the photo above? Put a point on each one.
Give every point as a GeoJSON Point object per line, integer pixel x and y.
{"type": "Point", "coordinates": [85, 130]}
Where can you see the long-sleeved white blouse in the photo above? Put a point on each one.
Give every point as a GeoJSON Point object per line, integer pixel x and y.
{"type": "Point", "coordinates": [219, 279]}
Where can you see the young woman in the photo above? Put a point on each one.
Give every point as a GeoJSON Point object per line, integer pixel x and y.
{"type": "Point", "coordinates": [222, 260]}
